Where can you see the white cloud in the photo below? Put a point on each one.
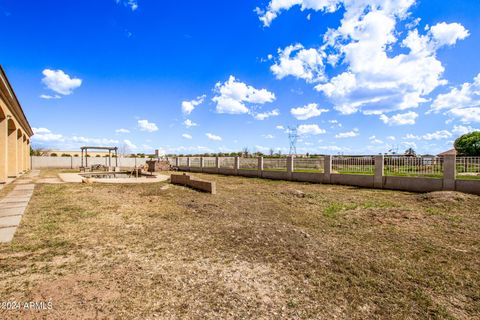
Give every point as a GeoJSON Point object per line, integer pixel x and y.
{"type": "Point", "coordinates": [462, 102]}
{"type": "Point", "coordinates": [400, 119]}
{"type": "Point", "coordinates": [58, 141]}
{"type": "Point", "coordinates": [348, 134]}
{"type": "Point", "coordinates": [40, 130]}
{"type": "Point", "coordinates": [49, 97]}
{"type": "Point", "coordinates": [375, 140]}
{"type": "Point", "coordinates": [129, 144]}
{"type": "Point", "coordinates": [187, 136]}
{"type": "Point", "coordinates": [189, 106]}
{"type": "Point", "coordinates": [121, 130]}
{"type": "Point", "coordinates": [306, 112]}
{"type": "Point", "coordinates": [448, 33]}
{"type": "Point", "coordinates": [437, 135]}
{"type": "Point", "coordinates": [93, 141]}
{"type": "Point", "coordinates": [266, 115]}
{"type": "Point", "coordinates": [280, 127]}
{"type": "Point", "coordinates": [189, 123]}
{"type": "Point", "coordinates": [372, 79]}
{"type": "Point", "coordinates": [45, 135]}
{"type": "Point", "coordinates": [305, 64]}
{"type": "Point", "coordinates": [145, 125]}
{"type": "Point", "coordinates": [276, 6]}
{"type": "Point", "coordinates": [460, 130]}
{"type": "Point", "coordinates": [213, 137]}
{"type": "Point", "coordinates": [391, 138]}
{"type": "Point", "coordinates": [60, 82]}
{"type": "Point", "coordinates": [310, 129]}
{"type": "Point", "coordinates": [332, 148]}
{"type": "Point", "coordinates": [132, 4]}
{"type": "Point", "coordinates": [410, 144]}
{"type": "Point", "coordinates": [232, 96]}
{"type": "Point", "coordinates": [268, 136]}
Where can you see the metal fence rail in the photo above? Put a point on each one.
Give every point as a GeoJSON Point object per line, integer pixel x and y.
{"type": "Point", "coordinates": [275, 164]}
{"type": "Point", "coordinates": [228, 163]}
{"type": "Point", "coordinates": [209, 162]}
{"type": "Point", "coordinates": [420, 166]}
{"type": "Point", "coordinates": [195, 162]}
{"type": "Point", "coordinates": [309, 164]}
{"type": "Point", "coordinates": [353, 164]}
{"type": "Point", "coordinates": [248, 163]}
{"type": "Point", "coordinates": [182, 162]}
{"type": "Point", "coordinates": [468, 166]}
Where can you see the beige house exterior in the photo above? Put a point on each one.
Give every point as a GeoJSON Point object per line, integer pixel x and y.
{"type": "Point", "coordinates": [15, 133]}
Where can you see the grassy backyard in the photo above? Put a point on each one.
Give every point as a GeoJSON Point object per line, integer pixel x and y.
{"type": "Point", "coordinates": [259, 249]}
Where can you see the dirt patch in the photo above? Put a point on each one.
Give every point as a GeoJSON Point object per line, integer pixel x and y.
{"type": "Point", "coordinates": [447, 197]}
{"type": "Point", "coordinates": [259, 249]}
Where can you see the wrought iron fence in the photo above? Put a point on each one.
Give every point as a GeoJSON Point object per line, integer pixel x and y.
{"type": "Point", "coordinates": [228, 162]}
{"type": "Point", "coordinates": [353, 164]}
{"type": "Point", "coordinates": [182, 162]}
{"type": "Point", "coordinates": [275, 164]}
{"type": "Point", "coordinates": [413, 166]}
{"type": "Point", "coordinates": [248, 163]}
{"type": "Point", "coordinates": [309, 164]}
{"type": "Point", "coordinates": [195, 162]}
{"type": "Point", "coordinates": [468, 166]}
{"type": "Point", "coordinates": [209, 162]}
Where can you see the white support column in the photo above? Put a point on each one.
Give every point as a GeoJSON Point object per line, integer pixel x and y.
{"type": "Point", "coordinates": [19, 154]}
{"type": "Point", "coordinates": [327, 170]}
{"type": "Point", "coordinates": [449, 172]}
{"type": "Point", "coordinates": [3, 150]}
{"type": "Point", "coordinates": [217, 163]}
{"type": "Point", "coordinates": [25, 155]}
{"type": "Point", "coordinates": [379, 170]}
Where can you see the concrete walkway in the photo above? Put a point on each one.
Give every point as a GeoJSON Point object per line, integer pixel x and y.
{"type": "Point", "coordinates": [12, 208]}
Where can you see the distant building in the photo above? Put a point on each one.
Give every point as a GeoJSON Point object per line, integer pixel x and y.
{"type": "Point", "coordinates": [451, 152]}
{"type": "Point", "coordinates": [15, 133]}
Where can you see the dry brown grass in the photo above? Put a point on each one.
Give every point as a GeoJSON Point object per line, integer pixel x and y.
{"type": "Point", "coordinates": [258, 249]}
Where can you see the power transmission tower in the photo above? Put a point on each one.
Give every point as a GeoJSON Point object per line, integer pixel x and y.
{"type": "Point", "coordinates": [293, 137]}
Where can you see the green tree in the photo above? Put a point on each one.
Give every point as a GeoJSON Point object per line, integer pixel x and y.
{"type": "Point", "coordinates": [410, 152]}
{"type": "Point", "coordinates": [468, 144]}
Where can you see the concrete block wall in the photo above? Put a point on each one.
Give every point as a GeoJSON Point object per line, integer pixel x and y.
{"type": "Point", "coordinates": [186, 180]}
{"type": "Point", "coordinates": [378, 180]}
{"type": "Point", "coordinates": [75, 162]}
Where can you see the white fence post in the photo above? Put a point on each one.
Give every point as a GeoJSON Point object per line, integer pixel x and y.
{"type": "Point", "coordinates": [327, 169]}
{"type": "Point", "coordinates": [260, 166]}
{"type": "Point", "coordinates": [449, 172]}
{"type": "Point", "coordinates": [379, 170]}
{"type": "Point", "coordinates": [236, 166]}
{"type": "Point", "coordinates": [290, 168]}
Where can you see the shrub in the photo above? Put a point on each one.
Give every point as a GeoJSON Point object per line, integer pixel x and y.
{"type": "Point", "coordinates": [53, 154]}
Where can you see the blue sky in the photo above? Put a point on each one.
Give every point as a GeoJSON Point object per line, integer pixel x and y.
{"type": "Point", "coordinates": [363, 76]}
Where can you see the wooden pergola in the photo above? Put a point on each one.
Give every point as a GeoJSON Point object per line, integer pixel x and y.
{"type": "Point", "coordinates": [110, 149]}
